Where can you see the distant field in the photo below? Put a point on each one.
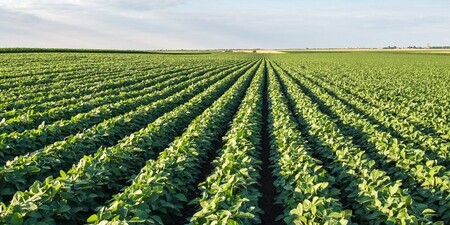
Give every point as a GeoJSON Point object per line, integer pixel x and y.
{"type": "Point", "coordinates": [202, 137]}
{"type": "Point", "coordinates": [441, 51]}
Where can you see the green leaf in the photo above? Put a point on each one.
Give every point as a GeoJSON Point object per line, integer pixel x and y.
{"type": "Point", "coordinates": [64, 208]}
{"type": "Point", "coordinates": [181, 197]}
{"type": "Point", "coordinates": [62, 174]}
{"type": "Point", "coordinates": [335, 215]}
{"type": "Point", "coordinates": [34, 214]}
{"type": "Point", "coordinates": [157, 219]}
{"type": "Point", "coordinates": [313, 209]}
{"type": "Point", "coordinates": [394, 189]}
{"type": "Point", "coordinates": [408, 201]}
{"type": "Point", "coordinates": [428, 211]}
{"type": "Point", "coordinates": [66, 195]}
{"type": "Point", "coordinates": [245, 215]}
{"type": "Point", "coordinates": [92, 219]}
{"type": "Point", "coordinates": [17, 219]}
{"type": "Point", "coordinates": [232, 222]}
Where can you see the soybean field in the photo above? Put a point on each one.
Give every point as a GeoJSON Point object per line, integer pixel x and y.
{"type": "Point", "coordinates": [224, 138]}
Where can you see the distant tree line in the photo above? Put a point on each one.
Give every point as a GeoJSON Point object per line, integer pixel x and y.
{"type": "Point", "coordinates": [36, 50]}
{"type": "Point", "coordinates": [417, 47]}
{"type": "Point", "coordinates": [440, 47]}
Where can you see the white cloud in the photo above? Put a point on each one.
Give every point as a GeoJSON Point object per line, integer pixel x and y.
{"type": "Point", "coordinates": [173, 24]}
{"type": "Point", "coordinates": [138, 5]}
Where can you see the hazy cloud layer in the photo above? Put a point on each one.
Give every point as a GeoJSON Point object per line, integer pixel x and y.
{"type": "Point", "coordinates": [193, 24]}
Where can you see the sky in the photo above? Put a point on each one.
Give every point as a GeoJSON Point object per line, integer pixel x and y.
{"type": "Point", "coordinates": [222, 24]}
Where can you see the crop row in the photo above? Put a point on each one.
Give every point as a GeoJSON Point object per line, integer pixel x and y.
{"type": "Point", "coordinates": [21, 119]}
{"type": "Point", "coordinates": [433, 147]}
{"type": "Point", "coordinates": [25, 66]}
{"type": "Point", "coordinates": [13, 144]}
{"type": "Point", "coordinates": [409, 88]}
{"type": "Point", "coordinates": [95, 178]}
{"type": "Point", "coordinates": [427, 182]}
{"type": "Point", "coordinates": [23, 98]}
{"type": "Point", "coordinates": [20, 172]}
{"type": "Point", "coordinates": [373, 195]}
{"type": "Point", "coordinates": [161, 190]}
{"type": "Point", "coordinates": [39, 92]}
{"type": "Point", "coordinates": [306, 190]}
{"type": "Point", "coordinates": [134, 87]}
{"type": "Point", "coordinates": [225, 139]}
{"type": "Point", "coordinates": [230, 194]}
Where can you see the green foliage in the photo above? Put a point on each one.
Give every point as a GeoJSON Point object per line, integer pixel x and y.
{"type": "Point", "coordinates": [305, 188]}
{"type": "Point", "coordinates": [160, 189]}
{"type": "Point", "coordinates": [108, 138]}
{"type": "Point", "coordinates": [94, 177]}
{"type": "Point", "coordinates": [230, 194]}
{"type": "Point", "coordinates": [22, 171]}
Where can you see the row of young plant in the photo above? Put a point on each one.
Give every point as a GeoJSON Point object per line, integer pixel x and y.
{"type": "Point", "coordinates": [374, 197]}
{"type": "Point", "coordinates": [432, 115]}
{"type": "Point", "coordinates": [74, 67]}
{"type": "Point", "coordinates": [30, 100]}
{"type": "Point", "coordinates": [60, 73]}
{"type": "Point", "coordinates": [161, 190]}
{"type": "Point", "coordinates": [14, 144]}
{"type": "Point", "coordinates": [230, 194]}
{"type": "Point", "coordinates": [432, 146]}
{"type": "Point", "coordinates": [135, 77]}
{"type": "Point", "coordinates": [409, 88]}
{"type": "Point", "coordinates": [40, 84]}
{"type": "Point", "coordinates": [432, 108]}
{"type": "Point", "coordinates": [34, 65]}
{"type": "Point", "coordinates": [75, 194]}
{"type": "Point", "coordinates": [96, 73]}
{"type": "Point", "coordinates": [72, 92]}
{"type": "Point", "coordinates": [96, 79]}
{"type": "Point", "coordinates": [384, 86]}
{"type": "Point", "coordinates": [49, 112]}
{"type": "Point", "coordinates": [417, 83]}
{"type": "Point", "coordinates": [428, 182]}
{"type": "Point", "coordinates": [19, 173]}
{"type": "Point", "coordinates": [133, 87]}
{"type": "Point", "coordinates": [25, 73]}
{"type": "Point", "coordinates": [305, 189]}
